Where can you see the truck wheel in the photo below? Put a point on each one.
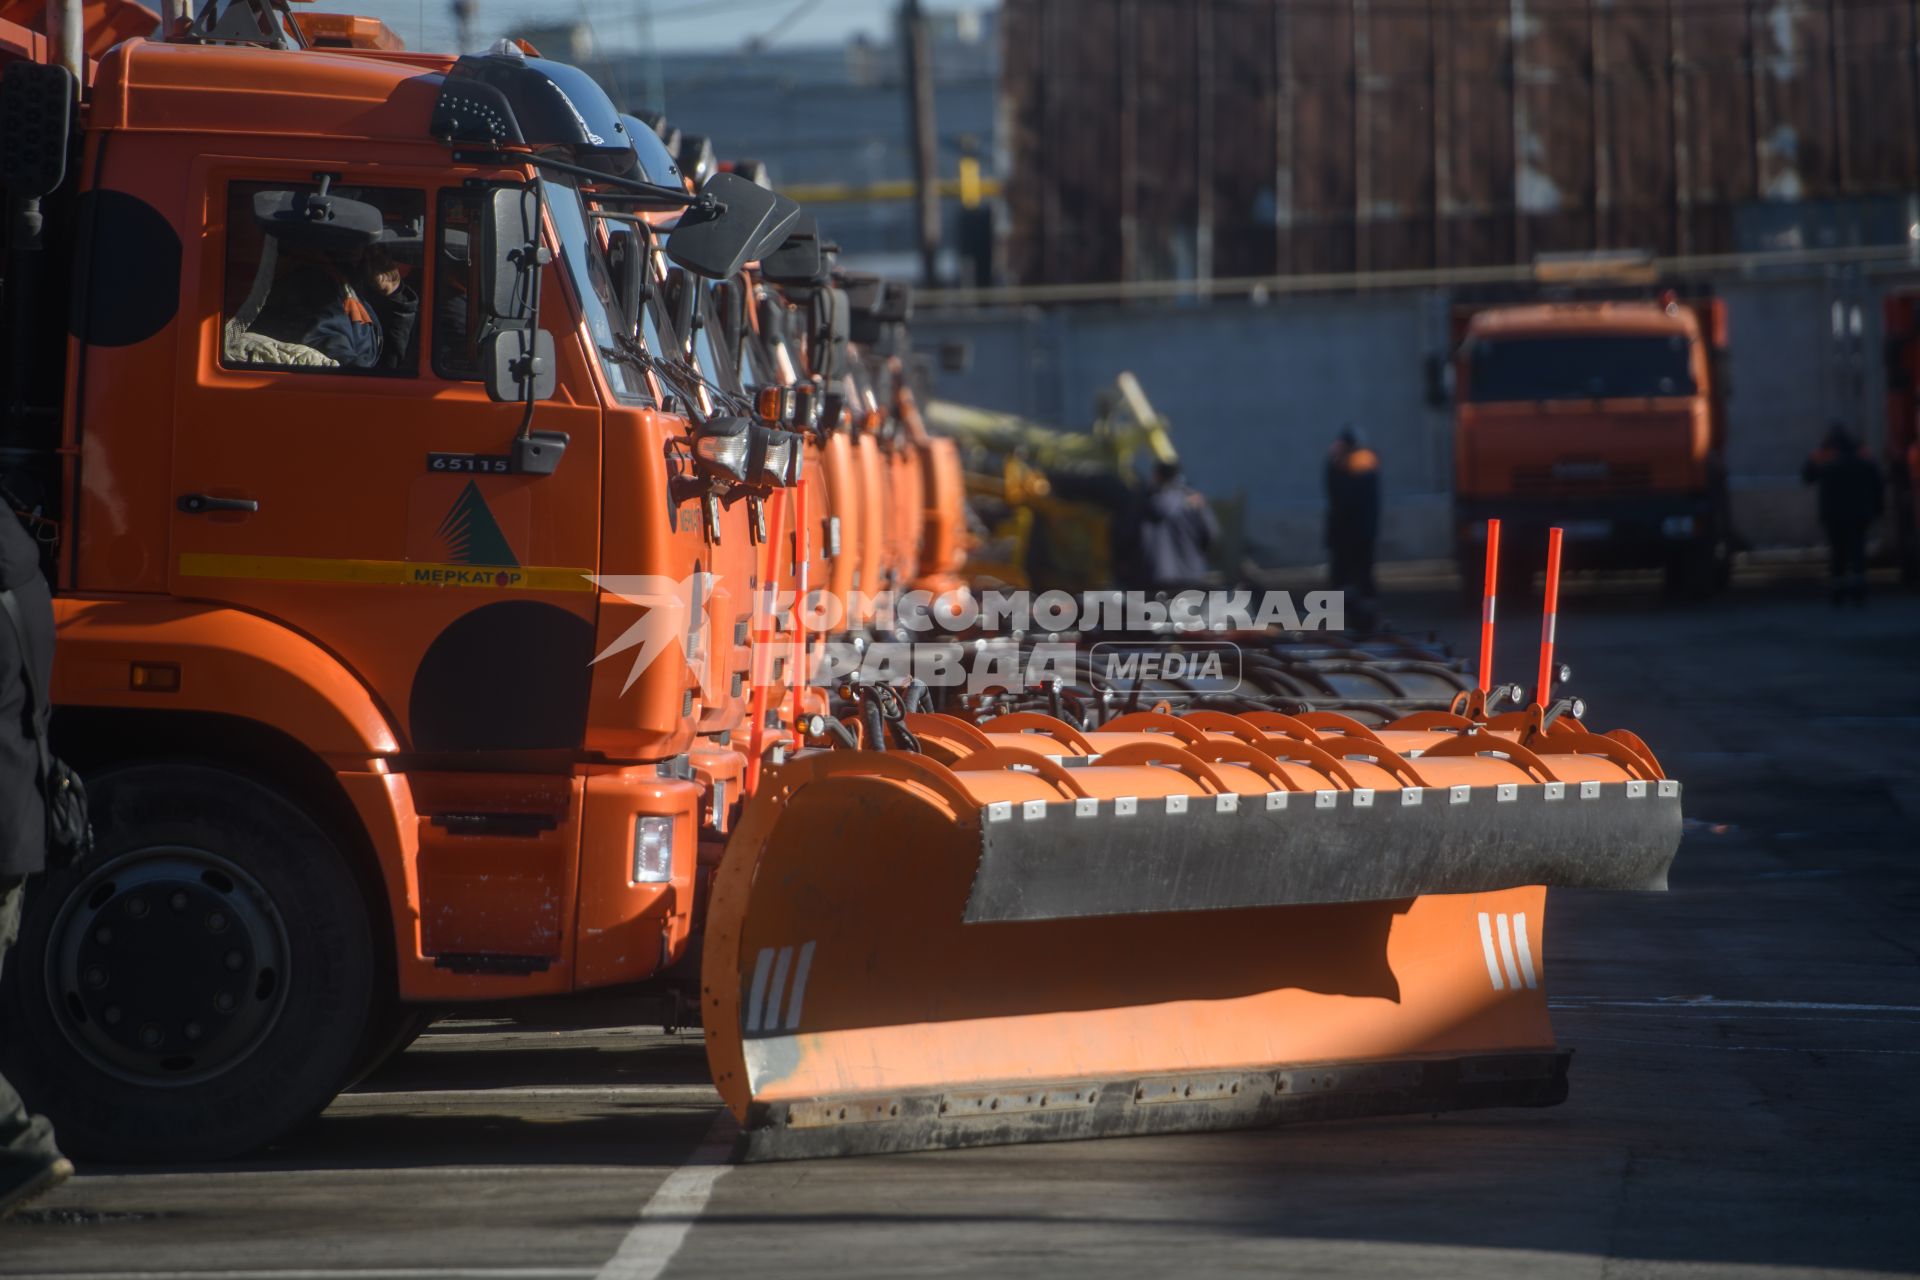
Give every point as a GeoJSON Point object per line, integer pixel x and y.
{"type": "Point", "coordinates": [198, 987]}
{"type": "Point", "coordinates": [386, 1037]}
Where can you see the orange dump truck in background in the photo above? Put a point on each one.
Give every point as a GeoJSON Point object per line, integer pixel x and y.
{"type": "Point", "coordinates": [1606, 418]}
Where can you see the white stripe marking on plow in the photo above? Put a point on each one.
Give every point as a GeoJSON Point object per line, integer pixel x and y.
{"type": "Point", "coordinates": [1486, 946]}
{"type": "Point", "coordinates": [1525, 949]}
{"type": "Point", "coordinates": [757, 997]}
{"type": "Point", "coordinates": [799, 987]}
{"type": "Point", "coordinates": [1506, 953]}
{"type": "Point", "coordinates": [669, 1214]}
{"type": "Point", "coordinates": [780, 967]}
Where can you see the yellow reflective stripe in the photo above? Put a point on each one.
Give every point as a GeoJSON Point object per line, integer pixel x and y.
{"type": "Point", "coordinates": [395, 573]}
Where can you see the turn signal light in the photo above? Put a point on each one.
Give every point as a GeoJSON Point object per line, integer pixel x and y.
{"type": "Point", "coordinates": [154, 677]}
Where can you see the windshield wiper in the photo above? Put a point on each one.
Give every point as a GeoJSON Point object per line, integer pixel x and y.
{"type": "Point", "coordinates": [679, 375]}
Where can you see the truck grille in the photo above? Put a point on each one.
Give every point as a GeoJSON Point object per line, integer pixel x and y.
{"type": "Point", "coordinates": [1583, 477]}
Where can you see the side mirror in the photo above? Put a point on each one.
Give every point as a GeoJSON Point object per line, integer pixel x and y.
{"type": "Point", "coordinates": [628, 261]}
{"type": "Point", "coordinates": [798, 260]}
{"type": "Point", "coordinates": [831, 323]}
{"type": "Point", "coordinates": [682, 298]}
{"type": "Point", "coordinates": [896, 302]}
{"type": "Point", "coordinates": [747, 221]}
{"type": "Point", "coordinates": [511, 254]}
{"type": "Point", "coordinates": [518, 365]}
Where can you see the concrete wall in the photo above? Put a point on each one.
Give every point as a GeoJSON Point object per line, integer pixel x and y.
{"type": "Point", "coordinates": [1255, 393]}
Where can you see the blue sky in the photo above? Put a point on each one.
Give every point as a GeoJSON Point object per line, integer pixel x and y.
{"type": "Point", "coordinates": [697, 24]}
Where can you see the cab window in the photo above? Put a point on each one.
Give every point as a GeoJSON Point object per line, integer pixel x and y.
{"type": "Point", "coordinates": [323, 278]}
{"type": "Point", "coordinates": [1580, 367]}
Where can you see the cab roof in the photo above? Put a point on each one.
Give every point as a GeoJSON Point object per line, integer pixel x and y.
{"type": "Point", "coordinates": [1583, 317]}
{"type": "Point", "coordinates": [147, 85]}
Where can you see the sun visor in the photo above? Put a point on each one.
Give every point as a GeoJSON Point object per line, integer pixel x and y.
{"type": "Point", "coordinates": [309, 220]}
{"type": "Point", "coordinates": [508, 97]}
{"type": "Point", "coordinates": [657, 164]}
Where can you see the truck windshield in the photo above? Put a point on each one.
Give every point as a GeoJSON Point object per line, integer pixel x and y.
{"type": "Point", "coordinates": [586, 265]}
{"type": "Point", "coordinates": [711, 350]}
{"type": "Point", "coordinates": [1579, 367]}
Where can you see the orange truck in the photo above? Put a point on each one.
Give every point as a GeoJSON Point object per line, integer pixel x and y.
{"type": "Point", "coordinates": [406, 539]}
{"type": "Point", "coordinates": [1607, 418]}
{"type": "Point", "coordinates": [328, 610]}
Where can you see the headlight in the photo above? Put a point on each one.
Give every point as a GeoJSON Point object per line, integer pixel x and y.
{"type": "Point", "coordinates": [806, 406]}
{"type": "Point", "coordinates": [723, 444]}
{"type": "Point", "coordinates": [776, 457]}
{"type": "Point", "coordinates": [652, 850]}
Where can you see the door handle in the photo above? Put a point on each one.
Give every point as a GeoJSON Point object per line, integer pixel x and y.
{"type": "Point", "coordinates": [199, 504]}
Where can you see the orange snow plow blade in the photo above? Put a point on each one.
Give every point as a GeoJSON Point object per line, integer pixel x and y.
{"type": "Point", "coordinates": [1202, 923]}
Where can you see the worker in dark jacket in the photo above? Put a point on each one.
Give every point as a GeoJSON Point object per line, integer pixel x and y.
{"type": "Point", "coordinates": [317, 306]}
{"type": "Point", "coordinates": [29, 1162]}
{"type": "Point", "coordinates": [1174, 531]}
{"type": "Point", "coordinates": [395, 304]}
{"type": "Point", "coordinates": [1851, 499]}
{"type": "Point", "coordinates": [1353, 521]}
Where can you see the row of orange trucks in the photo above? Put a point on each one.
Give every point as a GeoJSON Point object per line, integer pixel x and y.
{"type": "Point", "coordinates": [422, 449]}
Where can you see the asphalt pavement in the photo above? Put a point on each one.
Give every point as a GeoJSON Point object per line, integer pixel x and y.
{"type": "Point", "coordinates": [1746, 1053]}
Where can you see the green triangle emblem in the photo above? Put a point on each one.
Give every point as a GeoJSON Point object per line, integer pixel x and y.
{"type": "Point", "coordinates": [472, 535]}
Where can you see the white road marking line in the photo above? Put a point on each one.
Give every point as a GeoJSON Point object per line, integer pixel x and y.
{"type": "Point", "coordinates": [777, 990]}
{"type": "Point", "coordinates": [1525, 948]}
{"type": "Point", "coordinates": [799, 987]}
{"type": "Point", "coordinates": [757, 998]}
{"type": "Point", "coordinates": [1486, 946]}
{"type": "Point", "coordinates": [1506, 953]}
{"type": "Point", "coordinates": [671, 1211]}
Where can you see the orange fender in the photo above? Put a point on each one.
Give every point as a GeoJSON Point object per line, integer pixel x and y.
{"type": "Point", "coordinates": [227, 662]}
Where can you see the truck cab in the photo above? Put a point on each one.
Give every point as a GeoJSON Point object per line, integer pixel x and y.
{"type": "Point", "coordinates": [1604, 418]}
{"type": "Point", "coordinates": [347, 625]}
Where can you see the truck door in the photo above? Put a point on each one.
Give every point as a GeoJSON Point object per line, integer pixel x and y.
{"type": "Point", "coordinates": [338, 467]}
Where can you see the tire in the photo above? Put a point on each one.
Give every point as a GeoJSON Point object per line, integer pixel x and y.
{"type": "Point", "coordinates": [387, 1036]}
{"type": "Point", "coordinates": [200, 986]}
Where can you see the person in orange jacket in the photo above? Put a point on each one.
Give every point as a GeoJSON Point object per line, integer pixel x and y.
{"type": "Point", "coordinates": [1353, 520]}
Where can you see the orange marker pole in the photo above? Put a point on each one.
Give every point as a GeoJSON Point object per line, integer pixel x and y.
{"type": "Point", "coordinates": [1549, 619]}
{"type": "Point", "coordinates": [763, 641]}
{"type": "Point", "coordinates": [1488, 596]}
{"type": "Point", "coordinates": [802, 557]}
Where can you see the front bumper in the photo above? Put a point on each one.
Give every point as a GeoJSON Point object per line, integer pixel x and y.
{"type": "Point", "coordinates": [1608, 532]}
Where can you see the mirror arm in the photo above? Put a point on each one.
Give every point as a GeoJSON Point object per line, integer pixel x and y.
{"type": "Point", "coordinates": [538, 269]}
{"type": "Point", "coordinates": [668, 197]}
